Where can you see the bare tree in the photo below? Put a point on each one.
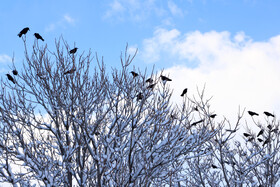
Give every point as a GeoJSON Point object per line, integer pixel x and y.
{"type": "Point", "coordinates": [67, 122]}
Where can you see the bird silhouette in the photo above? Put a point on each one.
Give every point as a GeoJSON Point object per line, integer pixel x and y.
{"type": "Point", "coordinates": [214, 166]}
{"type": "Point", "coordinates": [268, 114]}
{"type": "Point", "coordinates": [260, 133]}
{"type": "Point", "coordinates": [15, 72]}
{"type": "Point", "coordinates": [152, 86]}
{"type": "Point", "coordinates": [70, 71]}
{"type": "Point", "coordinates": [253, 113]}
{"type": "Point", "coordinates": [260, 140]}
{"type": "Point", "coordinates": [134, 74]}
{"type": "Point", "coordinates": [213, 116]}
{"type": "Point", "coordinates": [23, 31]}
{"type": "Point", "coordinates": [149, 80]}
{"type": "Point", "coordinates": [246, 134]}
{"type": "Point", "coordinates": [139, 96]}
{"type": "Point", "coordinates": [164, 78]}
{"type": "Point", "coordinates": [269, 127]}
{"type": "Point", "coordinates": [195, 108]}
{"type": "Point", "coordinates": [266, 141]}
{"type": "Point", "coordinates": [73, 51]}
{"type": "Point", "coordinates": [11, 78]}
{"type": "Point", "coordinates": [184, 92]}
{"type": "Point", "coordinates": [38, 36]}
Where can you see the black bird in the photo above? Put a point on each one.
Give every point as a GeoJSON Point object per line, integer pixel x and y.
{"type": "Point", "coordinates": [152, 86]}
{"type": "Point", "coordinates": [246, 134]}
{"type": "Point", "coordinates": [266, 141]}
{"type": "Point", "coordinates": [252, 113]}
{"type": "Point", "coordinates": [11, 78]}
{"type": "Point", "coordinates": [70, 71]}
{"type": "Point", "coordinates": [184, 92]}
{"type": "Point", "coordinates": [260, 140]}
{"type": "Point", "coordinates": [73, 51]}
{"type": "Point", "coordinates": [134, 74]}
{"type": "Point", "coordinates": [268, 114]}
{"type": "Point", "coordinates": [164, 78]}
{"type": "Point", "coordinates": [195, 108]}
{"type": "Point", "coordinates": [260, 133]}
{"type": "Point", "coordinates": [23, 31]}
{"type": "Point", "coordinates": [139, 96]}
{"type": "Point", "coordinates": [213, 115]}
{"type": "Point", "coordinates": [269, 127]}
{"type": "Point", "coordinates": [15, 72]}
{"type": "Point", "coordinates": [214, 166]}
{"type": "Point", "coordinates": [38, 36]}
{"type": "Point", "coordinates": [197, 122]}
{"type": "Point", "coordinates": [149, 80]}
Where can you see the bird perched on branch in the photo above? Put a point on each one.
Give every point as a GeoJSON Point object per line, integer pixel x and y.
{"type": "Point", "coordinates": [38, 36]}
{"type": "Point", "coordinates": [149, 80]}
{"type": "Point", "coordinates": [213, 116]}
{"type": "Point", "coordinates": [164, 78]}
{"type": "Point", "coordinates": [23, 31]}
{"type": "Point", "coordinates": [139, 96]}
{"type": "Point", "coordinates": [15, 72]}
{"type": "Point", "coordinates": [73, 51]}
{"type": "Point", "coordinates": [253, 113]}
{"type": "Point", "coordinates": [11, 78]}
{"type": "Point", "coordinates": [184, 92]}
{"type": "Point", "coordinates": [260, 133]}
{"type": "Point", "coordinates": [70, 71]}
{"type": "Point", "coordinates": [152, 86]}
{"type": "Point", "coordinates": [246, 134]}
{"type": "Point", "coordinates": [268, 114]}
{"type": "Point", "coordinates": [134, 74]}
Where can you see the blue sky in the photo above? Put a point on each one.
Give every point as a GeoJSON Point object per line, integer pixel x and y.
{"type": "Point", "coordinates": [231, 45]}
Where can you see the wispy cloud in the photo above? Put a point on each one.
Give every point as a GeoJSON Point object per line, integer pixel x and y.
{"type": "Point", "coordinates": [174, 9]}
{"type": "Point", "coordinates": [5, 59]}
{"type": "Point", "coordinates": [62, 23]}
{"type": "Point", "coordinates": [139, 10]}
{"type": "Point", "coordinates": [236, 69]}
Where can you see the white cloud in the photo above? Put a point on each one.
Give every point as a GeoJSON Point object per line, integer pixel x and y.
{"type": "Point", "coordinates": [174, 9]}
{"type": "Point", "coordinates": [62, 23]}
{"type": "Point", "coordinates": [236, 70]}
{"type": "Point", "coordinates": [5, 59]}
{"type": "Point", "coordinates": [69, 19]}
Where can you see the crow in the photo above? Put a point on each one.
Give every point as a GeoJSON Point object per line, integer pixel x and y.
{"type": "Point", "coordinates": [73, 51]}
{"type": "Point", "coordinates": [213, 116]}
{"type": "Point", "coordinates": [38, 36]}
{"type": "Point", "coordinates": [214, 166]}
{"type": "Point", "coordinates": [260, 140]}
{"type": "Point", "coordinates": [268, 114]}
{"type": "Point", "coordinates": [252, 113]}
{"type": "Point", "coordinates": [15, 72]}
{"type": "Point", "coordinates": [134, 74]}
{"type": "Point", "coordinates": [164, 78]}
{"type": "Point", "coordinates": [184, 92]}
{"type": "Point", "coordinates": [70, 71]}
{"type": "Point", "coordinates": [152, 86]}
{"type": "Point", "coordinates": [149, 80]}
{"type": "Point", "coordinates": [23, 31]}
{"type": "Point", "coordinates": [260, 133]}
{"type": "Point", "coordinates": [11, 78]}
{"type": "Point", "coordinates": [195, 108]}
{"type": "Point", "coordinates": [266, 141]}
{"type": "Point", "coordinates": [246, 134]}
{"type": "Point", "coordinates": [139, 96]}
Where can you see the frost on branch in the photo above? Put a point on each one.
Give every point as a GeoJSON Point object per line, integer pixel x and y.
{"type": "Point", "coordinates": [68, 121]}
